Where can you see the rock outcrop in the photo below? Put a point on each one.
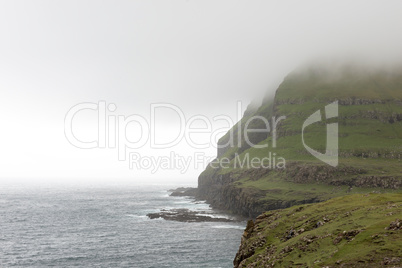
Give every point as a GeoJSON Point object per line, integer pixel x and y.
{"type": "Point", "coordinates": [186, 215]}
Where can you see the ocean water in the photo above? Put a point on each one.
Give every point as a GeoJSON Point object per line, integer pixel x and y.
{"type": "Point", "coordinates": [106, 226]}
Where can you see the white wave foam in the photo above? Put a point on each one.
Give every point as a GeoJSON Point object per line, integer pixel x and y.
{"type": "Point", "coordinates": [237, 227]}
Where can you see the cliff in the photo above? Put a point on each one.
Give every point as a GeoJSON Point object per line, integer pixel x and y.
{"type": "Point", "coordinates": [369, 124]}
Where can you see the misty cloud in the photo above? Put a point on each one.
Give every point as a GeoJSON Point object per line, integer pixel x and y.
{"type": "Point", "coordinates": [202, 56]}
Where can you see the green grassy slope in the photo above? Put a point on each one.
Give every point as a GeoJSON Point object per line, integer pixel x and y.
{"type": "Point", "coordinates": [370, 110]}
{"type": "Point", "coordinates": [370, 143]}
{"type": "Point", "coordinates": [370, 137]}
{"type": "Point", "coordinates": [360, 230]}
{"type": "Point", "coordinates": [370, 114]}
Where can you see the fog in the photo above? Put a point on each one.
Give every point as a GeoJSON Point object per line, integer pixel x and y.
{"type": "Point", "coordinates": [205, 58]}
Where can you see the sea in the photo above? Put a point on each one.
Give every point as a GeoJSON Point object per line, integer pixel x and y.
{"type": "Point", "coordinates": [105, 225]}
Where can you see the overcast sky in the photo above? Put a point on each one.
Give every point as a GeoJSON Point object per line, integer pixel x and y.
{"type": "Point", "coordinates": [201, 56]}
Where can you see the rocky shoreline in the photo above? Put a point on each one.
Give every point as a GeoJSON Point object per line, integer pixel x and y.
{"type": "Point", "coordinates": [187, 215]}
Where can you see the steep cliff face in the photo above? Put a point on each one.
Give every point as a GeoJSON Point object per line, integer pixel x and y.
{"type": "Point", "coordinates": [234, 142]}
{"type": "Point", "coordinates": [369, 135]}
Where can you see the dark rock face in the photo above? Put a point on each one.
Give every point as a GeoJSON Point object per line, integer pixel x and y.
{"type": "Point", "coordinates": [186, 215]}
{"type": "Point", "coordinates": [221, 192]}
{"type": "Point", "coordinates": [244, 251]}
